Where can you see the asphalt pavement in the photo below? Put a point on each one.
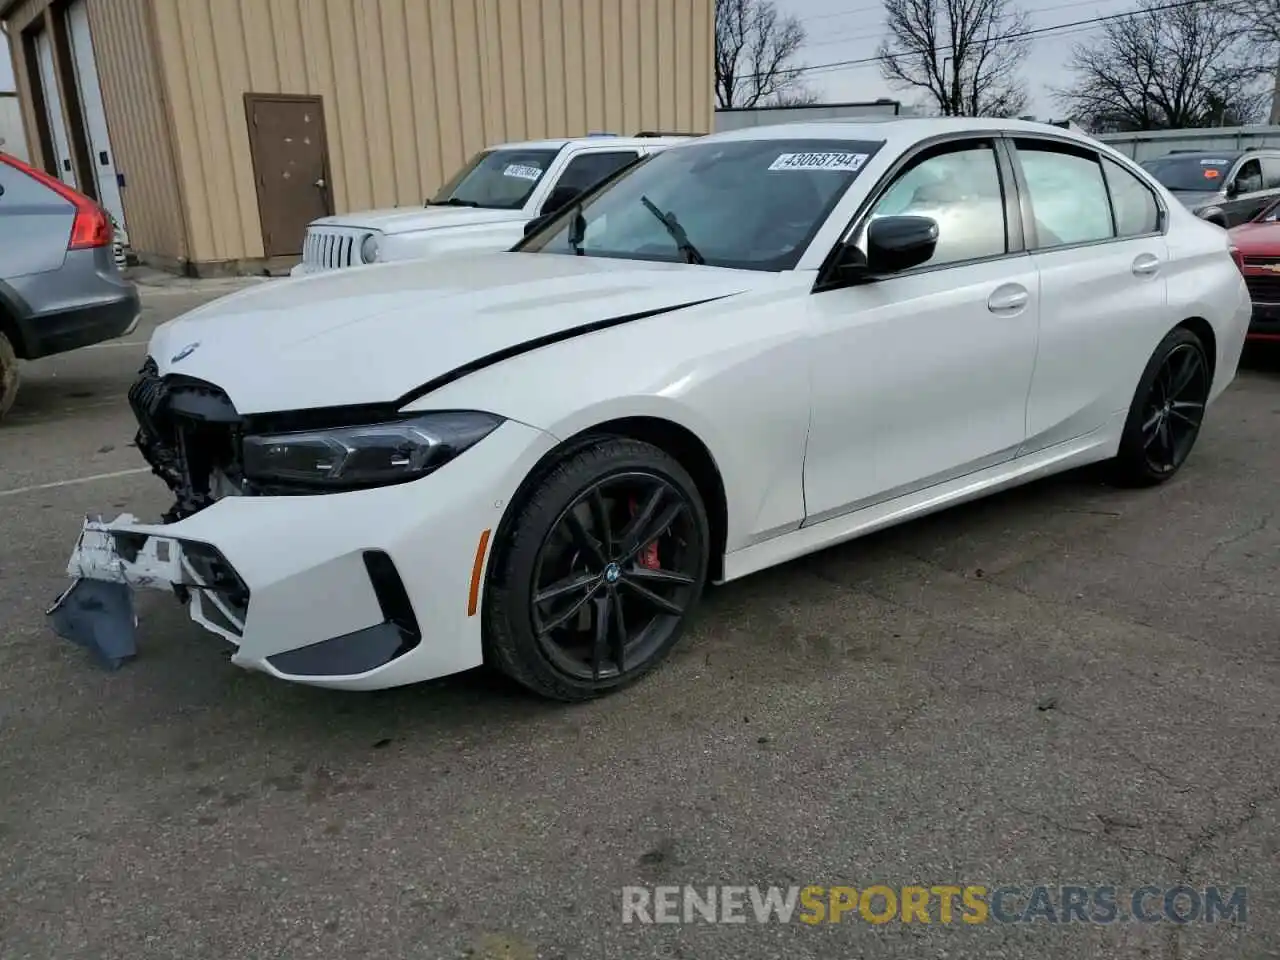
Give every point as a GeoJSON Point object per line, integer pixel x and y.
{"type": "Point", "coordinates": [1064, 685]}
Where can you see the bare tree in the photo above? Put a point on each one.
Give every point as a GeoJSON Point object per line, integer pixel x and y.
{"type": "Point", "coordinates": [1163, 68]}
{"type": "Point", "coordinates": [799, 96]}
{"type": "Point", "coordinates": [1262, 18]}
{"type": "Point", "coordinates": [964, 54]}
{"type": "Point", "coordinates": [755, 47]}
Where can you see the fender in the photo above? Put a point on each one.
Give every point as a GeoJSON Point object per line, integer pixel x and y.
{"type": "Point", "coordinates": [515, 350]}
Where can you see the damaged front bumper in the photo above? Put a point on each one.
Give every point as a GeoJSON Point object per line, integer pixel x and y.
{"type": "Point", "coordinates": [355, 590]}
{"type": "Point", "coordinates": [113, 558]}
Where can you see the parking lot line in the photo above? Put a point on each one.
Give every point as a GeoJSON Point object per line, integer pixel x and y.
{"type": "Point", "coordinates": [67, 483]}
{"type": "Point", "coordinates": [116, 343]}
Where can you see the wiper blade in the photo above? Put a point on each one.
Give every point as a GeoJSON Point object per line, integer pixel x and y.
{"type": "Point", "coordinates": [452, 202]}
{"type": "Point", "coordinates": [668, 220]}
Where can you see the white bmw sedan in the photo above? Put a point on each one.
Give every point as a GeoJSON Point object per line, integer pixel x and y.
{"type": "Point", "coordinates": [747, 348]}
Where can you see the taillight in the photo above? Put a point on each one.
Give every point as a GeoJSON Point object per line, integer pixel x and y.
{"type": "Point", "coordinates": [1238, 257]}
{"type": "Point", "coordinates": [91, 226]}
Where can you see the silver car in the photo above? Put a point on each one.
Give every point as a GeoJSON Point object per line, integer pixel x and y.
{"type": "Point", "coordinates": [60, 284]}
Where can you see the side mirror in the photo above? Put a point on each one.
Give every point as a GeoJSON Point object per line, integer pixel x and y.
{"type": "Point", "coordinates": [1233, 188]}
{"type": "Point", "coordinates": [560, 196]}
{"type": "Point", "coordinates": [900, 243]}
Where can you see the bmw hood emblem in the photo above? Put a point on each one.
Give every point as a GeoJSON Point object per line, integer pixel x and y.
{"type": "Point", "coordinates": [185, 352]}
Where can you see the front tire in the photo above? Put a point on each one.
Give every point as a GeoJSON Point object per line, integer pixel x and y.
{"type": "Point", "coordinates": [598, 573]}
{"type": "Point", "coordinates": [1167, 412]}
{"type": "Point", "coordinates": [8, 375]}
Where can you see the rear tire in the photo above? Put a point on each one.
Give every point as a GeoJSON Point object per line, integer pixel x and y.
{"type": "Point", "coordinates": [1167, 412]}
{"type": "Point", "coordinates": [600, 569]}
{"type": "Point", "coordinates": [8, 375]}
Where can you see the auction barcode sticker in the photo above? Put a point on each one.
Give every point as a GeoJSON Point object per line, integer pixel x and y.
{"type": "Point", "coordinates": [850, 162]}
{"type": "Point", "coordinates": [523, 171]}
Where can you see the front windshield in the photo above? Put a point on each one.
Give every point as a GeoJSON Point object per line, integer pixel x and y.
{"type": "Point", "coordinates": [748, 204]}
{"type": "Point", "coordinates": [497, 179]}
{"type": "Point", "coordinates": [1192, 174]}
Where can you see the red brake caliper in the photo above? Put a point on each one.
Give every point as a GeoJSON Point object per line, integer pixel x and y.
{"type": "Point", "coordinates": [649, 555]}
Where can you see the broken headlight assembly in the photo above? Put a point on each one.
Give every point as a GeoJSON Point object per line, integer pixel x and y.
{"type": "Point", "coordinates": [347, 458]}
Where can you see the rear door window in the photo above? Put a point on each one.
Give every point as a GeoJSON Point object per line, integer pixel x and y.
{"type": "Point", "coordinates": [1068, 194]}
{"type": "Point", "coordinates": [1137, 213]}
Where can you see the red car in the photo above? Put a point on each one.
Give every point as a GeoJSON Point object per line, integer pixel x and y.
{"type": "Point", "coordinates": [1258, 253]}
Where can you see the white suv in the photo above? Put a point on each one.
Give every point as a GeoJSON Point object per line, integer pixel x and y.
{"type": "Point", "coordinates": [484, 206]}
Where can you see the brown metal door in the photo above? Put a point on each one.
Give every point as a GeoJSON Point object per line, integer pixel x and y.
{"type": "Point", "coordinates": [291, 166]}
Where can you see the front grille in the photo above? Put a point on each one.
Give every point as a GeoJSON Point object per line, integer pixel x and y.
{"type": "Point", "coordinates": [1263, 289]}
{"type": "Point", "coordinates": [188, 431]}
{"type": "Point", "coordinates": [332, 248]}
{"type": "Point", "coordinates": [1261, 261]}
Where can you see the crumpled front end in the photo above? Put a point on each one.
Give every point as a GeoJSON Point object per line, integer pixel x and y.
{"type": "Point", "coordinates": [354, 589]}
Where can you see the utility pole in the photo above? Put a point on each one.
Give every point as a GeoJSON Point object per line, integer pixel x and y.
{"type": "Point", "coordinates": [1275, 99]}
{"type": "Point", "coordinates": [953, 108]}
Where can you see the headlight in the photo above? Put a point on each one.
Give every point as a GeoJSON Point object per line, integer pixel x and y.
{"type": "Point", "coordinates": [369, 249]}
{"type": "Point", "coordinates": [366, 456]}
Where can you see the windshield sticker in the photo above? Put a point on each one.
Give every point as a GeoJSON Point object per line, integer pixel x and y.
{"type": "Point", "coordinates": [848, 162]}
{"type": "Point", "coordinates": [1213, 163]}
{"type": "Point", "coordinates": [523, 171]}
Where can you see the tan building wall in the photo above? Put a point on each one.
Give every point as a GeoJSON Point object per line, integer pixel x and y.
{"type": "Point", "coordinates": [410, 88]}
{"type": "Point", "coordinates": [138, 121]}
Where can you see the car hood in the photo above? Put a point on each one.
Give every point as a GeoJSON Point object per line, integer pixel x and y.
{"type": "Point", "coordinates": [1257, 239]}
{"type": "Point", "coordinates": [1194, 199]}
{"type": "Point", "coordinates": [409, 219]}
{"type": "Point", "coordinates": [376, 333]}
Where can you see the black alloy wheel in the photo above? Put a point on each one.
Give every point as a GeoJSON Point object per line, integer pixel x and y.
{"type": "Point", "coordinates": [1175, 408]}
{"type": "Point", "coordinates": [607, 560]}
{"type": "Point", "coordinates": [1167, 412]}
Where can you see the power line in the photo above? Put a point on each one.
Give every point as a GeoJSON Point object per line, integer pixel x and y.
{"type": "Point", "coordinates": [850, 38]}
{"type": "Point", "coordinates": [1017, 35]}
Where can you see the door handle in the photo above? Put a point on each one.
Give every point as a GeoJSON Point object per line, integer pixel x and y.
{"type": "Point", "coordinates": [320, 183]}
{"type": "Point", "coordinates": [1009, 299]}
{"type": "Point", "coordinates": [1146, 265]}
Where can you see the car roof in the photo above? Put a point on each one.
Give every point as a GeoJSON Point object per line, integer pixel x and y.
{"type": "Point", "coordinates": [602, 138]}
{"type": "Point", "coordinates": [897, 131]}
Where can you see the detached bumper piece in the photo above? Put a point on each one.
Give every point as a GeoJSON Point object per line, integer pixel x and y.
{"type": "Point", "coordinates": [111, 560]}
{"type": "Point", "coordinates": [99, 617]}
{"type": "Point", "coordinates": [114, 558]}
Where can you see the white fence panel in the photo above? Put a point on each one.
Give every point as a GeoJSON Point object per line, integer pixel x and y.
{"type": "Point", "coordinates": [1155, 143]}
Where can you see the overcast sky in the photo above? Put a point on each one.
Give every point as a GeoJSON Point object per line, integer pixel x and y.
{"type": "Point", "coordinates": [852, 29]}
